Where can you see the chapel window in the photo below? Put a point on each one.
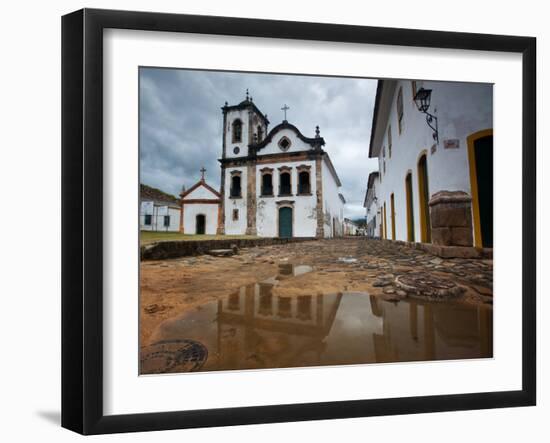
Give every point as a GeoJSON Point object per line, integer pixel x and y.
{"type": "Point", "coordinates": [147, 220]}
{"type": "Point", "coordinates": [260, 133]}
{"type": "Point", "coordinates": [284, 143]}
{"type": "Point", "coordinates": [267, 184]}
{"type": "Point", "coordinates": [285, 183]}
{"type": "Point", "coordinates": [237, 131]}
{"type": "Point", "coordinates": [166, 221]}
{"type": "Point", "coordinates": [303, 183]}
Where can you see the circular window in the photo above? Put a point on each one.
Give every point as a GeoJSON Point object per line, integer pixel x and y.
{"type": "Point", "coordinates": [284, 144]}
{"type": "Point", "coordinates": [236, 150]}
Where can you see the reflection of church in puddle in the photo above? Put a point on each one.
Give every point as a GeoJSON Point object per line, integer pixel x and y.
{"type": "Point", "coordinates": [260, 326]}
{"type": "Point", "coordinates": [257, 328]}
{"type": "Point", "coordinates": [260, 329]}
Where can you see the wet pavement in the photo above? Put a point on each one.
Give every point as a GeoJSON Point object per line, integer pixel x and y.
{"type": "Point", "coordinates": [351, 301]}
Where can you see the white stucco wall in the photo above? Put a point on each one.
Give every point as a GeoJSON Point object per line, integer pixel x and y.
{"type": "Point", "coordinates": [332, 205]}
{"type": "Point", "coordinates": [157, 217]}
{"type": "Point", "coordinates": [304, 213]}
{"type": "Point", "coordinates": [235, 227]}
{"type": "Point", "coordinates": [462, 109]}
{"type": "Point", "coordinates": [190, 212]}
{"type": "Point", "coordinates": [372, 210]}
{"type": "Point", "coordinates": [201, 193]}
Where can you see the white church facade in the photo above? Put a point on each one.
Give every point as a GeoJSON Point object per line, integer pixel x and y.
{"type": "Point", "coordinates": [434, 182]}
{"type": "Point", "coordinates": [276, 183]}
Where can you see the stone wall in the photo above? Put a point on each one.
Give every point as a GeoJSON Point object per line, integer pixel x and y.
{"type": "Point", "coordinates": [174, 249]}
{"type": "Point", "coordinates": [451, 218]}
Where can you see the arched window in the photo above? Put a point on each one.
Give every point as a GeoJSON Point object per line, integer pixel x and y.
{"type": "Point", "coordinates": [303, 183]}
{"type": "Point", "coordinates": [237, 131]}
{"type": "Point", "coordinates": [260, 133]}
{"type": "Point", "coordinates": [235, 185]}
{"type": "Point", "coordinates": [285, 183]}
{"type": "Point", "coordinates": [267, 184]}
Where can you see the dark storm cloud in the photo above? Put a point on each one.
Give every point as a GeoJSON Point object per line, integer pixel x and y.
{"type": "Point", "coordinates": [181, 123]}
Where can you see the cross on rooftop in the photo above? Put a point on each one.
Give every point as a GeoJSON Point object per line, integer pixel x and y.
{"type": "Point", "coordinates": [203, 170]}
{"type": "Point", "coordinates": [284, 109]}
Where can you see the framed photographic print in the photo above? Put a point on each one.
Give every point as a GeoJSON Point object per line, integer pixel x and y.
{"type": "Point", "coordinates": [269, 221]}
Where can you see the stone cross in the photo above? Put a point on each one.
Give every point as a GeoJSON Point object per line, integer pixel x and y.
{"type": "Point", "coordinates": [203, 170]}
{"type": "Point", "coordinates": [284, 109]}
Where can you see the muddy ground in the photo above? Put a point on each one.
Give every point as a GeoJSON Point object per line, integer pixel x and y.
{"type": "Point", "coordinates": [393, 272]}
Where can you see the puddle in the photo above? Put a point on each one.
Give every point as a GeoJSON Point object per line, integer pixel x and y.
{"type": "Point", "coordinates": [347, 260]}
{"type": "Point", "coordinates": [253, 328]}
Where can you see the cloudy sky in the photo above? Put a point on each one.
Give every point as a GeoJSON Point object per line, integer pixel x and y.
{"type": "Point", "coordinates": [181, 123]}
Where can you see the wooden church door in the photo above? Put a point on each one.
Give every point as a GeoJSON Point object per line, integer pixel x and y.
{"type": "Point", "coordinates": [285, 222]}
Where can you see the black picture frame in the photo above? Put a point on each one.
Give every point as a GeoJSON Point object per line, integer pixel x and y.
{"type": "Point", "coordinates": [82, 215]}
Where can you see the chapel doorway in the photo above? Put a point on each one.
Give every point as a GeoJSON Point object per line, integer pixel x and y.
{"type": "Point", "coordinates": [285, 222]}
{"type": "Point", "coordinates": [480, 153]}
{"type": "Point", "coordinates": [201, 224]}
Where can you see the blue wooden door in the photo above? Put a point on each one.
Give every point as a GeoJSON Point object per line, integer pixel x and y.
{"type": "Point", "coordinates": [285, 222]}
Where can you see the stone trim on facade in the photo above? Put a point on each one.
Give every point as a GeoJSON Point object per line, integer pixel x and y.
{"type": "Point", "coordinates": [272, 158]}
{"type": "Point", "coordinates": [201, 200]}
{"type": "Point", "coordinates": [251, 200]}
{"type": "Point", "coordinates": [198, 184]}
{"type": "Point", "coordinates": [320, 232]}
{"type": "Point", "coordinates": [221, 210]}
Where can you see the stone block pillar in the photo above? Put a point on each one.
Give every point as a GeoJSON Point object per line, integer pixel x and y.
{"type": "Point", "coordinates": [451, 218]}
{"type": "Point", "coordinates": [221, 208]}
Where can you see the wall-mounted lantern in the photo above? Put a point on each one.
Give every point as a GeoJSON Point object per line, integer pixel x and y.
{"type": "Point", "coordinates": [422, 101]}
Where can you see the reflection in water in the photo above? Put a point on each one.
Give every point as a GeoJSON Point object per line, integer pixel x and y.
{"type": "Point", "coordinates": [253, 328]}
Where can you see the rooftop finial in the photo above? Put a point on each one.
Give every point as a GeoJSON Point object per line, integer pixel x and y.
{"type": "Point", "coordinates": [203, 170]}
{"type": "Point", "coordinates": [246, 94]}
{"type": "Point", "coordinates": [317, 132]}
{"type": "Point", "coordinates": [284, 109]}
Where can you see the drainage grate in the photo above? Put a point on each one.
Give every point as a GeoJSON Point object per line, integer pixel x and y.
{"type": "Point", "coordinates": [183, 355]}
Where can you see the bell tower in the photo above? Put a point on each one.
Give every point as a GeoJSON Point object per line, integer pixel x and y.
{"type": "Point", "coordinates": [243, 125]}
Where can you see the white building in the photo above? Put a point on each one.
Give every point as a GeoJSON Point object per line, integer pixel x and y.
{"type": "Point", "coordinates": [278, 183]}
{"type": "Point", "coordinates": [435, 183]}
{"type": "Point", "coordinates": [350, 228]}
{"type": "Point", "coordinates": [373, 228]}
{"type": "Point", "coordinates": [200, 209]}
{"type": "Point", "coordinates": [159, 211]}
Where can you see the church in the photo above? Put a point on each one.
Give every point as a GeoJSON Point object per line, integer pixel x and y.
{"type": "Point", "coordinates": [278, 182]}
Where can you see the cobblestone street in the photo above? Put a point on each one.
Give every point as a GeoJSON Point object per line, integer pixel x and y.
{"type": "Point", "coordinates": [384, 271]}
